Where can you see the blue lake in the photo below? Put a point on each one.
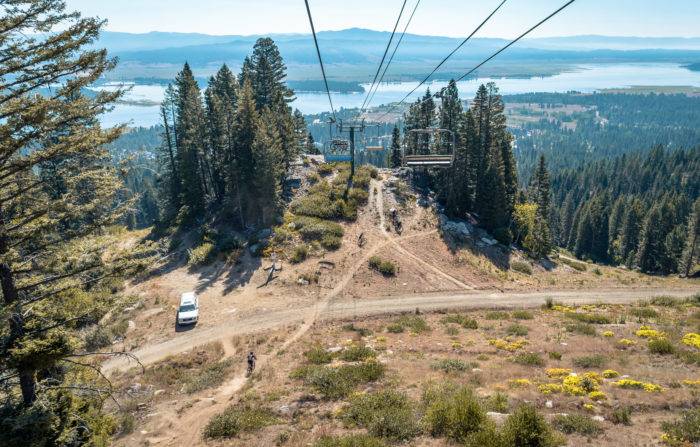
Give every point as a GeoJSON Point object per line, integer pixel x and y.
{"type": "Point", "coordinates": [585, 78]}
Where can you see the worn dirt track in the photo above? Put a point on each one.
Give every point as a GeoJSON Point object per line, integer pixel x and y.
{"type": "Point", "coordinates": [395, 304]}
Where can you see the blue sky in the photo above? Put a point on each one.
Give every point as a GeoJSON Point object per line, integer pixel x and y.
{"type": "Point", "coordinates": [434, 17]}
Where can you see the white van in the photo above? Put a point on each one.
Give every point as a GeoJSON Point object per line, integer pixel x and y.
{"type": "Point", "coordinates": [188, 312]}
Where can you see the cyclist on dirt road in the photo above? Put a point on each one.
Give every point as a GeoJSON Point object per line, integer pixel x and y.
{"type": "Point", "coordinates": [251, 362]}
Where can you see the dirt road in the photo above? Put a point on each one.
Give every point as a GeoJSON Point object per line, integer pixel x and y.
{"type": "Point", "coordinates": [395, 304]}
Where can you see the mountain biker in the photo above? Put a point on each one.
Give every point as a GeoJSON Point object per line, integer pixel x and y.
{"type": "Point", "coordinates": [251, 361]}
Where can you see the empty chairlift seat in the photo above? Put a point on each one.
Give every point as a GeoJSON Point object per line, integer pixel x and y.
{"type": "Point", "coordinates": [429, 148]}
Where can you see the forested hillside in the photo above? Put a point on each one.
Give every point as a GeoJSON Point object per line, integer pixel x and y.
{"type": "Point", "coordinates": [570, 128]}
{"type": "Point", "coordinates": [639, 209]}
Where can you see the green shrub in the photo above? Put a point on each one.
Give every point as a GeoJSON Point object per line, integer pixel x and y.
{"type": "Point", "coordinates": [316, 229]}
{"type": "Point", "coordinates": [350, 441]}
{"type": "Point", "coordinates": [644, 312]}
{"type": "Point", "coordinates": [590, 361]}
{"type": "Point", "coordinates": [497, 402]}
{"type": "Point", "coordinates": [497, 315]}
{"type": "Point", "coordinates": [325, 169]}
{"type": "Point", "coordinates": [395, 328]}
{"type": "Point", "coordinates": [356, 353]}
{"type": "Point", "coordinates": [414, 323]}
{"type": "Point", "coordinates": [363, 331]}
{"type": "Point", "coordinates": [452, 330]}
{"type": "Point", "coordinates": [581, 328]}
{"type": "Point", "coordinates": [386, 268]}
{"type": "Point", "coordinates": [453, 412]}
{"type": "Point", "coordinates": [529, 359]}
{"type": "Point", "coordinates": [462, 320]}
{"type": "Point", "coordinates": [450, 365]}
{"type": "Point", "coordinates": [335, 383]}
{"type": "Point", "coordinates": [576, 265]}
{"type": "Point", "coordinates": [522, 315]}
{"type": "Point", "coordinates": [211, 376]}
{"type": "Point", "coordinates": [527, 427]}
{"type": "Point", "coordinates": [588, 318]}
{"type": "Point", "coordinates": [548, 303]}
{"type": "Point", "coordinates": [554, 355]}
{"type": "Point", "coordinates": [318, 356]}
{"type": "Point", "coordinates": [661, 346]}
{"type": "Point", "coordinates": [387, 414]}
{"type": "Point", "coordinates": [522, 267]}
{"type": "Point", "coordinates": [201, 255]}
{"type": "Point", "coordinates": [239, 419]}
{"type": "Point", "coordinates": [577, 423]}
{"type": "Point", "coordinates": [331, 242]}
{"type": "Point", "coordinates": [686, 429]}
{"type": "Point", "coordinates": [299, 254]}
{"type": "Point", "coordinates": [517, 330]}
{"type": "Point", "coordinates": [621, 416]}
{"type": "Point", "coordinates": [666, 301]}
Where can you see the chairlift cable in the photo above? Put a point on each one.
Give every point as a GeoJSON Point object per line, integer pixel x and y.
{"type": "Point", "coordinates": [320, 59]}
{"type": "Point", "coordinates": [511, 43]}
{"type": "Point", "coordinates": [386, 67]}
{"type": "Point", "coordinates": [446, 58]}
{"type": "Point", "coordinates": [386, 51]}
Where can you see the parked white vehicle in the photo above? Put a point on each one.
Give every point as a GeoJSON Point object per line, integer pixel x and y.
{"type": "Point", "coordinates": [188, 312]}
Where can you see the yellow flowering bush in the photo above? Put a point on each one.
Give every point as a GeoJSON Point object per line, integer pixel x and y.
{"type": "Point", "coordinates": [507, 345]}
{"type": "Point", "coordinates": [648, 332]}
{"type": "Point", "coordinates": [692, 339]}
{"type": "Point", "coordinates": [637, 385]}
{"type": "Point", "coordinates": [589, 407]}
{"type": "Point", "coordinates": [558, 372]}
{"type": "Point", "coordinates": [597, 396]}
{"type": "Point", "coordinates": [608, 334]}
{"type": "Point", "coordinates": [652, 388]}
{"type": "Point", "coordinates": [610, 374]}
{"type": "Point", "coordinates": [550, 388]}
{"type": "Point", "coordinates": [560, 308]}
{"type": "Point", "coordinates": [692, 383]}
{"type": "Point", "coordinates": [626, 342]}
{"type": "Point", "coordinates": [594, 376]}
{"type": "Point", "coordinates": [519, 383]}
{"type": "Point", "coordinates": [573, 385]}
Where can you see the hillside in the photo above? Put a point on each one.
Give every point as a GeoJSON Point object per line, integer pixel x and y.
{"type": "Point", "coordinates": [432, 270]}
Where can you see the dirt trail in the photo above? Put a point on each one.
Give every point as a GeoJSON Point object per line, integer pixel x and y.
{"type": "Point", "coordinates": [394, 304]}
{"type": "Point", "coordinates": [394, 242]}
{"type": "Point", "coordinates": [196, 417]}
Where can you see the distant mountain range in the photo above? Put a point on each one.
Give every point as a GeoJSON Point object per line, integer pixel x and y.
{"type": "Point", "coordinates": [358, 51]}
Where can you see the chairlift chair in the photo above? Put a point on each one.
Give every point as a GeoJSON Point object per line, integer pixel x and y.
{"type": "Point", "coordinates": [429, 148]}
{"type": "Point", "coordinates": [337, 150]}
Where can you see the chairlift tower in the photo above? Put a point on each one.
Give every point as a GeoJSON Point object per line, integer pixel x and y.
{"type": "Point", "coordinates": [351, 128]}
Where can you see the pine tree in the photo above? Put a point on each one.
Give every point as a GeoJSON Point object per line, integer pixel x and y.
{"type": "Point", "coordinates": [691, 252]}
{"type": "Point", "coordinates": [311, 145]}
{"type": "Point", "coordinates": [190, 129]}
{"type": "Point", "coordinates": [52, 264]}
{"type": "Point", "coordinates": [652, 254]}
{"type": "Point", "coordinates": [541, 196]}
{"type": "Point", "coordinates": [169, 170]}
{"type": "Point", "coordinates": [268, 74]}
{"type": "Point", "coordinates": [221, 99]}
{"type": "Point", "coordinates": [395, 148]}
{"type": "Point", "coordinates": [267, 167]}
{"type": "Point", "coordinates": [240, 179]}
{"type": "Point", "coordinates": [629, 232]}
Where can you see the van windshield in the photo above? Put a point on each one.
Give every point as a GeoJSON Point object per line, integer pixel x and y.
{"type": "Point", "coordinates": [187, 308]}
